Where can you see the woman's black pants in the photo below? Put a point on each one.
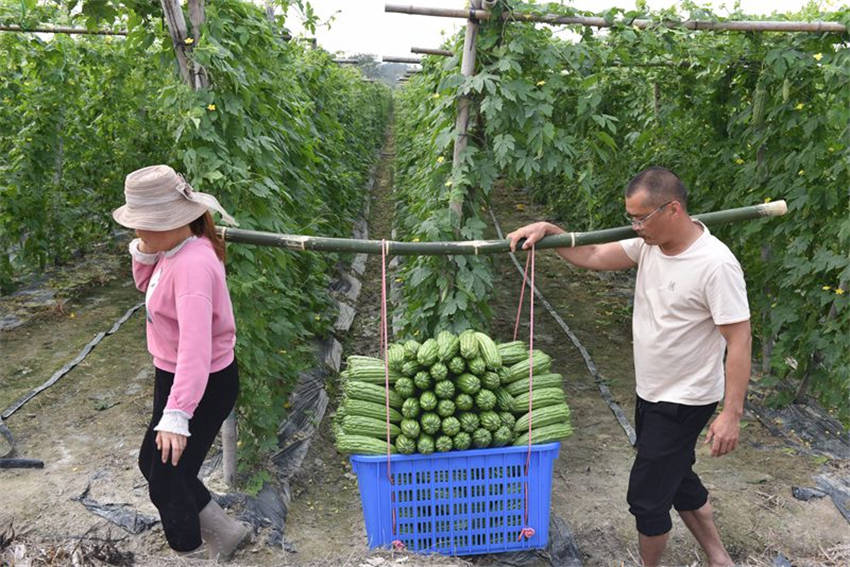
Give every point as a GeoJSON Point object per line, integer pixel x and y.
{"type": "Point", "coordinates": [177, 492]}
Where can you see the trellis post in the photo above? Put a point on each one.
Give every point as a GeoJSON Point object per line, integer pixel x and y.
{"type": "Point", "coordinates": [195, 76]}
{"type": "Point", "coordinates": [467, 69]}
{"type": "Point", "coordinates": [197, 16]}
{"type": "Point", "coordinates": [179, 33]}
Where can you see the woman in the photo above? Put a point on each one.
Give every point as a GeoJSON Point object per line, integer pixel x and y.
{"type": "Point", "coordinates": [178, 261]}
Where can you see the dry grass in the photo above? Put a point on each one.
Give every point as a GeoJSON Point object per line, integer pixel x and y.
{"type": "Point", "coordinates": [18, 551]}
{"type": "Point", "coordinates": [836, 556]}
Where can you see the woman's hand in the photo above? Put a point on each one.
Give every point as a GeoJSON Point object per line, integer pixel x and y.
{"type": "Point", "coordinates": [170, 443]}
{"type": "Point", "coordinates": [144, 247]}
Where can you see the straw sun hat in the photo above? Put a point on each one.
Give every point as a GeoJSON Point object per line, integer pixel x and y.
{"type": "Point", "coordinates": [158, 198]}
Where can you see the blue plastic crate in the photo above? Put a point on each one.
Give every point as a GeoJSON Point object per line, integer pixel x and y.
{"type": "Point", "coordinates": [458, 502]}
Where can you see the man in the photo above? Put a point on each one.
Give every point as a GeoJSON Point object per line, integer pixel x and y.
{"type": "Point", "coordinates": [690, 306]}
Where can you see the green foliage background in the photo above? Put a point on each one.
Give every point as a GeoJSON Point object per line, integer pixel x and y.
{"type": "Point", "coordinates": [741, 117]}
{"type": "Point", "coordinates": [438, 292]}
{"type": "Point", "coordinates": [283, 137]}
{"type": "Point", "coordinates": [77, 114]}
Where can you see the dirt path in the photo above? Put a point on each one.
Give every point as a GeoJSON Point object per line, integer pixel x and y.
{"type": "Point", "coordinates": [325, 523]}
{"type": "Point", "coordinates": [87, 427]}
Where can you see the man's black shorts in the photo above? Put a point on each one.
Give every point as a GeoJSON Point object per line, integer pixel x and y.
{"type": "Point", "coordinates": [661, 475]}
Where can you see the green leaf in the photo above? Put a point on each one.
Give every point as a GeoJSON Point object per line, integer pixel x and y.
{"type": "Point", "coordinates": [503, 144]}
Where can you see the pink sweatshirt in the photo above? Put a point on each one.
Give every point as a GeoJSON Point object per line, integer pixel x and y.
{"type": "Point", "coordinates": [190, 326]}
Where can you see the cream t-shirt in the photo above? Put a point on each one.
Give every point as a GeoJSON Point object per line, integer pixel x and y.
{"type": "Point", "coordinates": [679, 301]}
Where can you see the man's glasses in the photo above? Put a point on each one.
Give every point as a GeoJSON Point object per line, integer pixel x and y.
{"type": "Point", "coordinates": [640, 221]}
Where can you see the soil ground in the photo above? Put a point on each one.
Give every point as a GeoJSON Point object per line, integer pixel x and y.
{"type": "Point", "coordinates": [87, 427]}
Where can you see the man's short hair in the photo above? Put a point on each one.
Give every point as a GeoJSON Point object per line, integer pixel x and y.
{"type": "Point", "coordinates": [661, 184]}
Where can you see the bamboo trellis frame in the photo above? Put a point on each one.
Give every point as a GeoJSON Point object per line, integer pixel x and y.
{"type": "Point", "coordinates": [431, 51]}
{"type": "Point", "coordinates": [396, 59]}
{"type": "Point", "coordinates": [556, 19]}
{"type": "Point", "coordinates": [682, 64]}
{"type": "Point", "coordinates": [60, 29]}
{"type": "Point", "coordinates": [475, 13]}
{"type": "Point", "coordinates": [624, 64]}
{"type": "Point", "coordinates": [467, 69]}
{"type": "Point", "coordinates": [304, 243]}
{"type": "Point", "coordinates": [190, 70]}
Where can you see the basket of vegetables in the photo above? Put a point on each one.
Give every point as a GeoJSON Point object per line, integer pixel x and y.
{"type": "Point", "coordinates": [462, 409]}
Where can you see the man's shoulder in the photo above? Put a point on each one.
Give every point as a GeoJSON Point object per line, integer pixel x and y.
{"type": "Point", "coordinates": [632, 247]}
{"type": "Point", "coordinates": [718, 250]}
{"type": "Point", "coordinates": [720, 266]}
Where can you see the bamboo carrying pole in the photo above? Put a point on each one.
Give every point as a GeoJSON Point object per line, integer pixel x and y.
{"type": "Point", "coordinates": [566, 240]}
{"type": "Point", "coordinates": [555, 19]}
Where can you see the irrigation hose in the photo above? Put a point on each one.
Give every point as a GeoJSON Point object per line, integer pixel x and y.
{"type": "Point", "coordinates": [618, 412]}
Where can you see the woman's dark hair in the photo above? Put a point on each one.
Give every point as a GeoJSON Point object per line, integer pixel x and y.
{"type": "Point", "coordinates": [205, 226]}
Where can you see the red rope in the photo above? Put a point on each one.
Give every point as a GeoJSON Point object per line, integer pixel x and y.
{"type": "Point", "coordinates": [384, 348]}
{"type": "Point", "coordinates": [521, 295]}
{"type": "Point", "coordinates": [527, 531]}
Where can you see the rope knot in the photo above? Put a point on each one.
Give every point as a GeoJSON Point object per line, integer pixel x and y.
{"type": "Point", "coordinates": [526, 532]}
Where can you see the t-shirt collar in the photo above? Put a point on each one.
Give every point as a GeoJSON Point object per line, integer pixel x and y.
{"type": "Point", "coordinates": [700, 239]}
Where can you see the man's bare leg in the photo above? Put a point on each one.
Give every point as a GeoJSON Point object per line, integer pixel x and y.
{"type": "Point", "coordinates": [701, 524]}
{"type": "Point", "coordinates": [651, 548]}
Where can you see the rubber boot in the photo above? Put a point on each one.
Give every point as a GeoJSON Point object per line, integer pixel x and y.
{"type": "Point", "coordinates": [222, 534]}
